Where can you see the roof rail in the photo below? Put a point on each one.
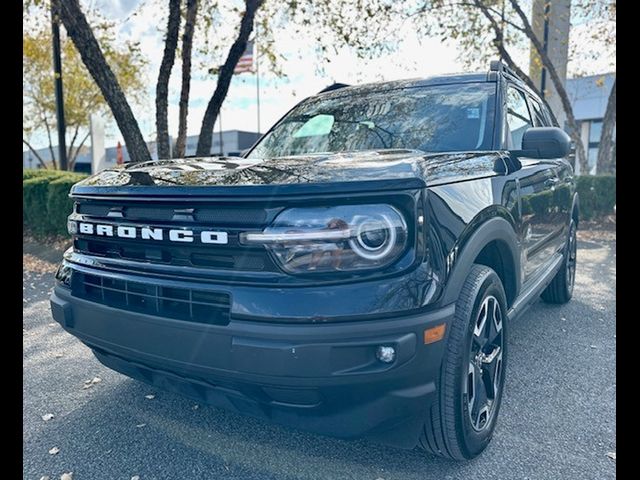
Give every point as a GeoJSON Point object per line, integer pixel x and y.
{"type": "Point", "coordinates": [498, 66]}
{"type": "Point", "coordinates": [335, 86]}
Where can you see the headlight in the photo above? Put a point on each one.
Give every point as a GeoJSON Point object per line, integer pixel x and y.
{"type": "Point", "coordinates": [72, 227]}
{"type": "Point", "coordinates": [330, 239]}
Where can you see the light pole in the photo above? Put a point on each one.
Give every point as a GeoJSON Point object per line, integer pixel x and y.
{"type": "Point", "coordinates": [57, 75]}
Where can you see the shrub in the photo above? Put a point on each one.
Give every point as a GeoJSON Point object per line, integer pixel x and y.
{"type": "Point", "coordinates": [597, 195]}
{"type": "Point", "coordinates": [45, 200]}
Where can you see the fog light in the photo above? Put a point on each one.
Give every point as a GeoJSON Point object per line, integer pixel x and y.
{"type": "Point", "coordinates": [386, 354]}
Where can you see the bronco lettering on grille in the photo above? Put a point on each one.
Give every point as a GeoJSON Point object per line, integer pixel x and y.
{"type": "Point", "coordinates": [182, 235]}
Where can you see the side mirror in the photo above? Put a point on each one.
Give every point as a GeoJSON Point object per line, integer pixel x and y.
{"type": "Point", "coordinates": [546, 142]}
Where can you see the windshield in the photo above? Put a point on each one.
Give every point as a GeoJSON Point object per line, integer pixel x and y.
{"type": "Point", "coordinates": [442, 118]}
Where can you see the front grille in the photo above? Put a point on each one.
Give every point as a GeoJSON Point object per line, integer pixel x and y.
{"type": "Point", "coordinates": [229, 218]}
{"type": "Point", "coordinates": [186, 304]}
{"type": "Point", "coordinates": [218, 215]}
{"type": "Point", "coordinates": [247, 259]}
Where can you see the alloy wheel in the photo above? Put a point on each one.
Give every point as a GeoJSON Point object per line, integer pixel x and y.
{"type": "Point", "coordinates": [484, 371]}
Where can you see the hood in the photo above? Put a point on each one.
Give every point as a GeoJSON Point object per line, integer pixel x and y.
{"type": "Point", "coordinates": [352, 171]}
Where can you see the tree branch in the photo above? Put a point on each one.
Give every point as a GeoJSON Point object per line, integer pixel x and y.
{"type": "Point", "coordinates": [499, 44]}
{"type": "Point", "coordinates": [574, 130]}
{"type": "Point", "coordinates": [224, 77]}
{"type": "Point", "coordinates": [72, 160]}
{"type": "Point", "coordinates": [35, 152]}
{"type": "Point", "coordinates": [53, 155]}
{"type": "Point", "coordinates": [605, 160]}
{"type": "Point", "coordinates": [75, 135]}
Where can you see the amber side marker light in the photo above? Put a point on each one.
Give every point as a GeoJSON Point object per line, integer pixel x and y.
{"type": "Point", "coordinates": [434, 334]}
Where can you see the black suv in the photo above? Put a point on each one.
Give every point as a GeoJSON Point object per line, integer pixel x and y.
{"type": "Point", "coordinates": [355, 274]}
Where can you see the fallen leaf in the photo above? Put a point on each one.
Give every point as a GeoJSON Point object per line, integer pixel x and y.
{"type": "Point", "coordinates": [66, 476]}
{"type": "Point", "coordinates": [88, 385]}
{"type": "Point", "coordinates": [149, 397]}
{"type": "Point", "coordinates": [135, 477]}
{"type": "Point", "coordinates": [96, 380]}
{"type": "Point", "coordinates": [140, 425]}
{"type": "Point", "coordinates": [44, 477]}
{"type": "Point", "coordinates": [195, 407]}
{"type": "Point", "coordinates": [52, 324]}
{"type": "Point", "coordinates": [87, 381]}
{"type": "Point", "coordinates": [593, 346]}
{"type": "Point", "coordinates": [47, 417]}
{"type": "Point", "coordinates": [54, 451]}
{"type": "Point", "coordinates": [611, 455]}
{"type": "Point", "coordinates": [58, 355]}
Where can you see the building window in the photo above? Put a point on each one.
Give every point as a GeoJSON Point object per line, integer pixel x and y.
{"type": "Point", "coordinates": [595, 129]}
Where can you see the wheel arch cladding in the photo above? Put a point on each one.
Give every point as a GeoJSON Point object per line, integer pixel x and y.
{"type": "Point", "coordinates": [494, 243]}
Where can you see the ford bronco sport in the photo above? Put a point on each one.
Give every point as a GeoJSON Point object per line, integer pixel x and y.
{"type": "Point", "coordinates": [354, 274]}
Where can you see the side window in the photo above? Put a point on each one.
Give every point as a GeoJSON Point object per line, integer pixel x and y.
{"type": "Point", "coordinates": [547, 114]}
{"type": "Point", "coordinates": [518, 117]}
{"type": "Point", "coordinates": [539, 119]}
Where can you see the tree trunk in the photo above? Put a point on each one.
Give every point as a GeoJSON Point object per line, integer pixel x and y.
{"type": "Point", "coordinates": [605, 150]}
{"type": "Point", "coordinates": [162, 87]}
{"type": "Point", "coordinates": [35, 152]}
{"type": "Point", "coordinates": [224, 77]}
{"type": "Point", "coordinates": [574, 129]}
{"type": "Point", "coordinates": [80, 33]}
{"type": "Point", "coordinates": [187, 44]}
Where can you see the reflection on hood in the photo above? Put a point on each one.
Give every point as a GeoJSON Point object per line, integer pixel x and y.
{"type": "Point", "coordinates": [315, 168]}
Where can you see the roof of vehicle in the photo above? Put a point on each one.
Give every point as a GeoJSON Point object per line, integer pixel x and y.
{"type": "Point", "coordinates": [448, 79]}
{"type": "Point", "coordinates": [413, 82]}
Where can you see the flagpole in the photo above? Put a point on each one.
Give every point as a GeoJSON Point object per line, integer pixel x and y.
{"type": "Point", "coordinates": [255, 47]}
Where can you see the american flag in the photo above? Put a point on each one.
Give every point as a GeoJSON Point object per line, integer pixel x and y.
{"type": "Point", "coordinates": [245, 64]}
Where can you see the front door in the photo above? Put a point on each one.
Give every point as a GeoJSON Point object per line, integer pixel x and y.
{"type": "Point", "coordinates": [538, 180]}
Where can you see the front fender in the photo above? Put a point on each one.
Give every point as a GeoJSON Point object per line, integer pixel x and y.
{"type": "Point", "coordinates": [462, 256]}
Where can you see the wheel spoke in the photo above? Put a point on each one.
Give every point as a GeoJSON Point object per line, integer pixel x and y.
{"type": "Point", "coordinates": [480, 407]}
{"type": "Point", "coordinates": [494, 323]}
{"type": "Point", "coordinates": [482, 324]}
{"type": "Point", "coordinates": [491, 372]}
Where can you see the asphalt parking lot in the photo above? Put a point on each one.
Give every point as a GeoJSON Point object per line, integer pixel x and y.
{"type": "Point", "coordinates": [557, 420]}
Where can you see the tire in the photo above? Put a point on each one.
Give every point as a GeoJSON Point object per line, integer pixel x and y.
{"type": "Point", "coordinates": [560, 290]}
{"type": "Point", "coordinates": [451, 429]}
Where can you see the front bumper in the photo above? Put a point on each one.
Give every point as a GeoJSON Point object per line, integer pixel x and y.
{"type": "Point", "coordinates": [323, 378]}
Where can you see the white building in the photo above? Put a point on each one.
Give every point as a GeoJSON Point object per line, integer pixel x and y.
{"type": "Point", "coordinates": [589, 97]}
